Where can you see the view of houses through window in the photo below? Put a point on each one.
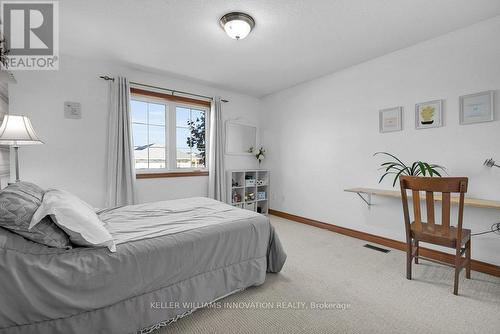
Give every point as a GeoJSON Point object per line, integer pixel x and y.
{"type": "Point", "coordinates": [167, 135]}
{"type": "Point", "coordinates": [149, 125]}
{"type": "Point", "coordinates": [190, 130]}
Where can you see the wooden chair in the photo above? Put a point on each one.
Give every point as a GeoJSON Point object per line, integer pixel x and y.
{"type": "Point", "coordinates": [430, 232]}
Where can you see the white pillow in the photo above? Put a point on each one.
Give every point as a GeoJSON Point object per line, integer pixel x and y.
{"type": "Point", "coordinates": [75, 217]}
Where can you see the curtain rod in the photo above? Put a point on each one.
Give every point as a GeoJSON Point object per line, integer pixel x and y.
{"type": "Point", "coordinates": [173, 91]}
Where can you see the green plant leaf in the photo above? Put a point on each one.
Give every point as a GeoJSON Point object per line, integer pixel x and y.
{"type": "Point", "coordinates": [436, 173]}
{"type": "Point", "coordinates": [392, 156]}
{"type": "Point", "coordinates": [436, 167]}
{"type": "Point", "coordinates": [397, 177]}
{"type": "Point", "coordinates": [395, 166]}
{"type": "Point", "coordinates": [422, 167]}
{"type": "Point", "coordinates": [391, 163]}
{"type": "Point", "coordinates": [429, 168]}
{"type": "Point", "coordinates": [398, 168]}
{"type": "Point", "coordinates": [413, 170]}
{"type": "Point", "coordinates": [385, 174]}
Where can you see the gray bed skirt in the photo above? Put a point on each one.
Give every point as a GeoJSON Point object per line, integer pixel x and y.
{"type": "Point", "coordinates": [155, 309]}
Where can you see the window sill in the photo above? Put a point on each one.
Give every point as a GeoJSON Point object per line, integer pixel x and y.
{"type": "Point", "coordinates": [170, 174]}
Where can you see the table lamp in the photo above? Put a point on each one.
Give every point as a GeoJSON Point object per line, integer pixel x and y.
{"type": "Point", "coordinates": [16, 131]}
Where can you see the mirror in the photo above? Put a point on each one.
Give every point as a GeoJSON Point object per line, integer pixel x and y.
{"type": "Point", "coordinates": [240, 138]}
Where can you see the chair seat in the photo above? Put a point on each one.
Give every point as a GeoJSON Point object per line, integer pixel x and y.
{"type": "Point", "coordinates": [437, 234]}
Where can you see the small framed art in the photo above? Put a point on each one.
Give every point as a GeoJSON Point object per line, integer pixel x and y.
{"type": "Point", "coordinates": [391, 119]}
{"type": "Point", "coordinates": [429, 114]}
{"type": "Point", "coordinates": [477, 108]}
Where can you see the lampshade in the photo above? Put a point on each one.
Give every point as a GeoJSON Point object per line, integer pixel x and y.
{"type": "Point", "coordinates": [17, 130]}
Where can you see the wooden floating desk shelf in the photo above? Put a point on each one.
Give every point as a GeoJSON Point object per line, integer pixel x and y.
{"type": "Point", "coordinates": [475, 202]}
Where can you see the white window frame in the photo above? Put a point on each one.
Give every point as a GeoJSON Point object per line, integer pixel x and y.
{"type": "Point", "coordinates": [171, 134]}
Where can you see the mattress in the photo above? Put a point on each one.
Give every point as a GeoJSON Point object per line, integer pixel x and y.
{"type": "Point", "coordinates": [170, 256]}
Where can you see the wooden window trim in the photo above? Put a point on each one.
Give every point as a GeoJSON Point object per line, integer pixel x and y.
{"type": "Point", "coordinates": [182, 99]}
{"type": "Point", "coordinates": [170, 174]}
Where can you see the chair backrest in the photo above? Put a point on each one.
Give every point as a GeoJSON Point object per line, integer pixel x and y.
{"type": "Point", "coordinates": [444, 185]}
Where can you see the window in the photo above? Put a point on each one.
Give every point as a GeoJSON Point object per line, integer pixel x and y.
{"type": "Point", "coordinates": [168, 136]}
{"type": "Point", "coordinates": [190, 133]}
{"type": "Point", "coordinates": [149, 125]}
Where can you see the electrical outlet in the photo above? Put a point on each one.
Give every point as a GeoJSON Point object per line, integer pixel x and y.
{"type": "Point", "coordinates": [72, 110]}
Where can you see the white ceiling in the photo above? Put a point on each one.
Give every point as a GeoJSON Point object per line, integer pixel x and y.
{"type": "Point", "coordinates": [293, 41]}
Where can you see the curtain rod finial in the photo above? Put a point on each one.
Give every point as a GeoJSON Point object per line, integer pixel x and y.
{"type": "Point", "coordinates": [105, 77]}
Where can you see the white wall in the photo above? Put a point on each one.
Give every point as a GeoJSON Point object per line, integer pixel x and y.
{"type": "Point", "coordinates": [320, 135]}
{"type": "Point", "coordinates": [73, 157]}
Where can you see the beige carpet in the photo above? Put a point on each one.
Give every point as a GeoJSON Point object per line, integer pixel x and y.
{"type": "Point", "coordinates": [323, 266]}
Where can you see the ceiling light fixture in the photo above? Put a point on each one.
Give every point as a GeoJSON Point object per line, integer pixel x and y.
{"type": "Point", "coordinates": [237, 25]}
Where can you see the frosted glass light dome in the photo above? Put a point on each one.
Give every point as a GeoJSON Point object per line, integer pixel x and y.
{"type": "Point", "coordinates": [237, 25]}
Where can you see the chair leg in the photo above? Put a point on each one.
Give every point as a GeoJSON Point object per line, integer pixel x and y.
{"type": "Point", "coordinates": [416, 251]}
{"type": "Point", "coordinates": [458, 267]}
{"type": "Point", "coordinates": [467, 256]}
{"type": "Point", "coordinates": [409, 258]}
{"type": "Point", "coordinates": [455, 286]}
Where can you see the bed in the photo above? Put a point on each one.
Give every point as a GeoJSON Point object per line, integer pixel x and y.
{"type": "Point", "coordinates": [171, 257]}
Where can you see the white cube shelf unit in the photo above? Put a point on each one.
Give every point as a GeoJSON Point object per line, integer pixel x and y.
{"type": "Point", "coordinates": [249, 189]}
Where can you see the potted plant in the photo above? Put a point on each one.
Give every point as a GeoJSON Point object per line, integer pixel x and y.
{"type": "Point", "coordinates": [260, 154]}
{"type": "Point", "coordinates": [397, 168]}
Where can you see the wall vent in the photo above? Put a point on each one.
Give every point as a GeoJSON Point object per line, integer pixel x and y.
{"type": "Point", "coordinates": [379, 249]}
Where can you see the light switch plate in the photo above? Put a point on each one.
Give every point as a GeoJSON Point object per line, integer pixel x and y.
{"type": "Point", "coordinates": [72, 110]}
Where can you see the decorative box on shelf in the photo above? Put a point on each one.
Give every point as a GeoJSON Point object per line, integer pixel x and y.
{"type": "Point", "coordinates": [261, 182]}
{"type": "Point", "coordinates": [248, 189]}
{"type": "Point", "coordinates": [250, 183]}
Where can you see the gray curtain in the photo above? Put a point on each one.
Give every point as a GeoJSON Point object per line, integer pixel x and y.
{"type": "Point", "coordinates": [120, 167]}
{"type": "Point", "coordinates": [216, 178]}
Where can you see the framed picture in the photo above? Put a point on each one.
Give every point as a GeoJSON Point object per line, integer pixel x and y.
{"type": "Point", "coordinates": [429, 114]}
{"type": "Point", "coordinates": [391, 120]}
{"type": "Point", "coordinates": [477, 108]}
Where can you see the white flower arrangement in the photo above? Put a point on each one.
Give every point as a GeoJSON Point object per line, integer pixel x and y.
{"type": "Point", "coordinates": [260, 154]}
